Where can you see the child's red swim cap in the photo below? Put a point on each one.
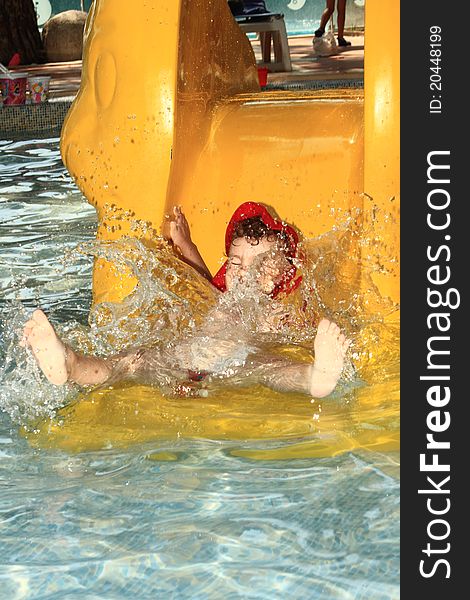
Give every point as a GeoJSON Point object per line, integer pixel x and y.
{"type": "Point", "coordinates": [247, 210]}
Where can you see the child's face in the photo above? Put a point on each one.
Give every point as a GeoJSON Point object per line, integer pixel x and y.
{"type": "Point", "coordinates": [270, 269]}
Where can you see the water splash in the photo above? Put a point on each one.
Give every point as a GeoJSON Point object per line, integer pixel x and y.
{"type": "Point", "coordinates": [24, 392]}
{"type": "Point", "coordinates": [178, 318]}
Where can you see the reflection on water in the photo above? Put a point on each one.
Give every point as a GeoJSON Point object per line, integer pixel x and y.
{"type": "Point", "coordinates": [113, 494]}
{"type": "Point", "coordinates": [42, 219]}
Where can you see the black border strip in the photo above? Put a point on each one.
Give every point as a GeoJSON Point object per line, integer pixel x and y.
{"type": "Point", "coordinates": [425, 245]}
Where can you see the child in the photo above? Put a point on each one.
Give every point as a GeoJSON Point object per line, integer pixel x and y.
{"type": "Point", "coordinates": [253, 238]}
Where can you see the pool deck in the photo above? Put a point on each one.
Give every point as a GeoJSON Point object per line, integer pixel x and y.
{"type": "Point", "coordinates": [346, 65]}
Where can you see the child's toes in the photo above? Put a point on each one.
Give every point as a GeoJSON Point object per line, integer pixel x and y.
{"type": "Point", "coordinates": [39, 318]}
{"type": "Point", "coordinates": [323, 326]}
{"type": "Point", "coordinates": [333, 329]}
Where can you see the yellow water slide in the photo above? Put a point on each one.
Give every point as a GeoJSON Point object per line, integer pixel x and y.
{"type": "Point", "coordinates": [170, 113]}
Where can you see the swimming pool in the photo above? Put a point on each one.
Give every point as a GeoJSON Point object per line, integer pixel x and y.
{"type": "Point", "coordinates": [174, 517]}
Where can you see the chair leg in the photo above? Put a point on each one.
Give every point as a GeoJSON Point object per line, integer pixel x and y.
{"type": "Point", "coordinates": [265, 40]}
{"type": "Point", "coordinates": [285, 53]}
{"type": "Point", "coordinates": [277, 47]}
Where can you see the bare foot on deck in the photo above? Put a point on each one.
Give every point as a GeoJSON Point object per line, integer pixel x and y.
{"type": "Point", "coordinates": [48, 350]}
{"type": "Point", "coordinates": [330, 347]}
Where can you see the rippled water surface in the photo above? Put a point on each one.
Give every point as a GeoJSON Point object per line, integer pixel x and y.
{"type": "Point", "coordinates": [171, 514]}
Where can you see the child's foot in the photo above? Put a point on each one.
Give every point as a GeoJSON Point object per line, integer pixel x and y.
{"type": "Point", "coordinates": [49, 352]}
{"type": "Point", "coordinates": [330, 347]}
{"type": "Point", "coordinates": [319, 32]}
{"type": "Point", "coordinates": [343, 42]}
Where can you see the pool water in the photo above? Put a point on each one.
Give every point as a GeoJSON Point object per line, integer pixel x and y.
{"type": "Point", "coordinates": [173, 514]}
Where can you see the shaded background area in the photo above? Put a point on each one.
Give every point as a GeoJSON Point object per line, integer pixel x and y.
{"type": "Point", "coordinates": [302, 16]}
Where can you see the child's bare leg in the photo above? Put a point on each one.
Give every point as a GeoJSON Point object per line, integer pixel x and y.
{"type": "Point", "coordinates": [319, 379]}
{"type": "Point", "coordinates": [59, 362]}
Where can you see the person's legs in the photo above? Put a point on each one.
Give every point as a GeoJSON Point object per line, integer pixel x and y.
{"type": "Point", "coordinates": [341, 20]}
{"type": "Point", "coordinates": [59, 362]}
{"type": "Point", "coordinates": [330, 7]}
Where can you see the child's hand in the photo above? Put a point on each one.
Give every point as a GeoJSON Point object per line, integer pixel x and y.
{"type": "Point", "coordinates": [181, 237]}
{"type": "Point", "coordinates": [179, 230]}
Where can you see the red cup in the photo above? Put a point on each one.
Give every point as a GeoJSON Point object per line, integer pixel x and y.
{"type": "Point", "coordinates": [263, 76]}
{"type": "Point", "coordinates": [13, 88]}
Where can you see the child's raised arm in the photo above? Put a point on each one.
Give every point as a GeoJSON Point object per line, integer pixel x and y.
{"type": "Point", "coordinates": [181, 237]}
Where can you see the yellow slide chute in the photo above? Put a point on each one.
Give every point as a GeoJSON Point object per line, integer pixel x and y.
{"type": "Point", "coordinates": [170, 113]}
